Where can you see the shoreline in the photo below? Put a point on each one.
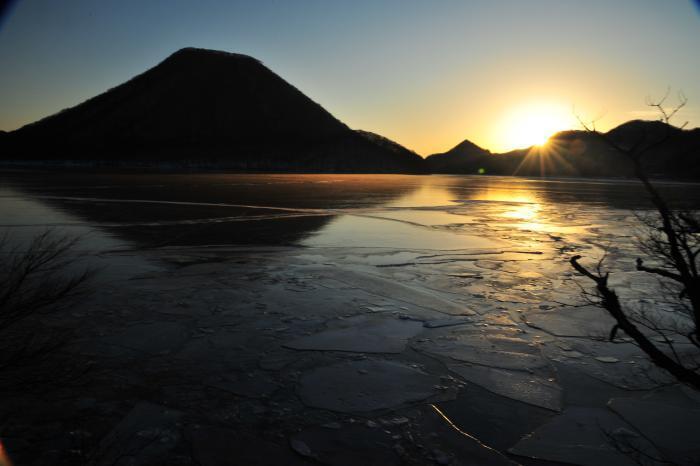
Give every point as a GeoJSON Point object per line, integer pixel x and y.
{"type": "Point", "coordinates": [79, 167]}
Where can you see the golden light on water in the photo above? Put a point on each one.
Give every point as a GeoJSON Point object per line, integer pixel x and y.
{"type": "Point", "coordinates": [513, 204]}
{"type": "Point", "coordinates": [526, 215]}
{"type": "Point", "coordinates": [523, 212]}
{"type": "Point", "coordinates": [498, 194]}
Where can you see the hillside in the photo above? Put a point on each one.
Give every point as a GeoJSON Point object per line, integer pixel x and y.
{"type": "Point", "coordinates": [584, 154]}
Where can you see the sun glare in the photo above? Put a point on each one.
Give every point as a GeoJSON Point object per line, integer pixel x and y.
{"type": "Point", "coordinates": [533, 124]}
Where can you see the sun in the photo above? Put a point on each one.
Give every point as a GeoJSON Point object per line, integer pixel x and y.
{"type": "Point", "coordinates": [533, 124]}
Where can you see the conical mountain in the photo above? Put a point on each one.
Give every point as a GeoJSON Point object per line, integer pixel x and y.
{"type": "Point", "coordinates": [206, 108]}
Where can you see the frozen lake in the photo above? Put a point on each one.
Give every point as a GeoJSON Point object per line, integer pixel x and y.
{"type": "Point", "coordinates": [403, 212]}
{"type": "Point", "coordinates": [309, 310]}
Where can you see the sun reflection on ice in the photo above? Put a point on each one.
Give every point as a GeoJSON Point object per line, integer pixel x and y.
{"type": "Point", "coordinates": [524, 209]}
{"type": "Point", "coordinates": [529, 218]}
{"type": "Point", "coordinates": [427, 195]}
{"type": "Point", "coordinates": [517, 205]}
{"type": "Point", "coordinates": [523, 212]}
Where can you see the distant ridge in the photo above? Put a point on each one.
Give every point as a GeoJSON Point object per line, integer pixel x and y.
{"type": "Point", "coordinates": [583, 154]}
{"type": "Point", "coordinates": [203, 107]}
{"type": "Point", "coordinates": [465, 157]}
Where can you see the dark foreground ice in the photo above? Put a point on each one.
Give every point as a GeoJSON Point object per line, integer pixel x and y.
{"type": "Point", "coordinates": [306, 319]}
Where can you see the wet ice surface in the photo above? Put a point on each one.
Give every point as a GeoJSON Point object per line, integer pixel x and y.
{"type": "Point", "coordinates": [303, 318]}
{"type": "Point", "coordinates": [362, 334]}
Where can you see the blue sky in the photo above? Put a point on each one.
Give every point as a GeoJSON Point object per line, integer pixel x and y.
{"type": "Point", "coordinates": [427, 74]}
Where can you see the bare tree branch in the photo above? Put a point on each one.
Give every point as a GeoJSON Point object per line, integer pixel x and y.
{"type": "Point", "coordinates": [611, 303]}
{"type": "Point", "coordinates": [35, 279]}
{"type": "Point", "coordinates": [672, 242]}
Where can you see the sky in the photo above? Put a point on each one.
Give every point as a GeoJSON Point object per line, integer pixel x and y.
{"type": "Point", "coordinates": [427, 74]}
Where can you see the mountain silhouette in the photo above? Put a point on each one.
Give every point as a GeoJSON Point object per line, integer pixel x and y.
{"type": "Point", "coordinates": [207, 108]}
{"type": "Point", "coordinates": [465, 157]}
{"type": "Point", "coordinates": [672, 153]}
{"type": "Point", "coordinates": [388, 144]}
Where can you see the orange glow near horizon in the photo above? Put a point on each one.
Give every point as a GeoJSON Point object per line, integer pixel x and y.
{"type": "Point", "coordinates": [532, 125]}
{"type": "Point", "coordinates": [4, 458]}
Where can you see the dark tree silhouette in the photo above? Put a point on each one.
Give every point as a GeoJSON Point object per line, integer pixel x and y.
{"type": "Point", "coordinates": [35, 280]}
{"type": "Point", "coordinates": [671, 245]}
